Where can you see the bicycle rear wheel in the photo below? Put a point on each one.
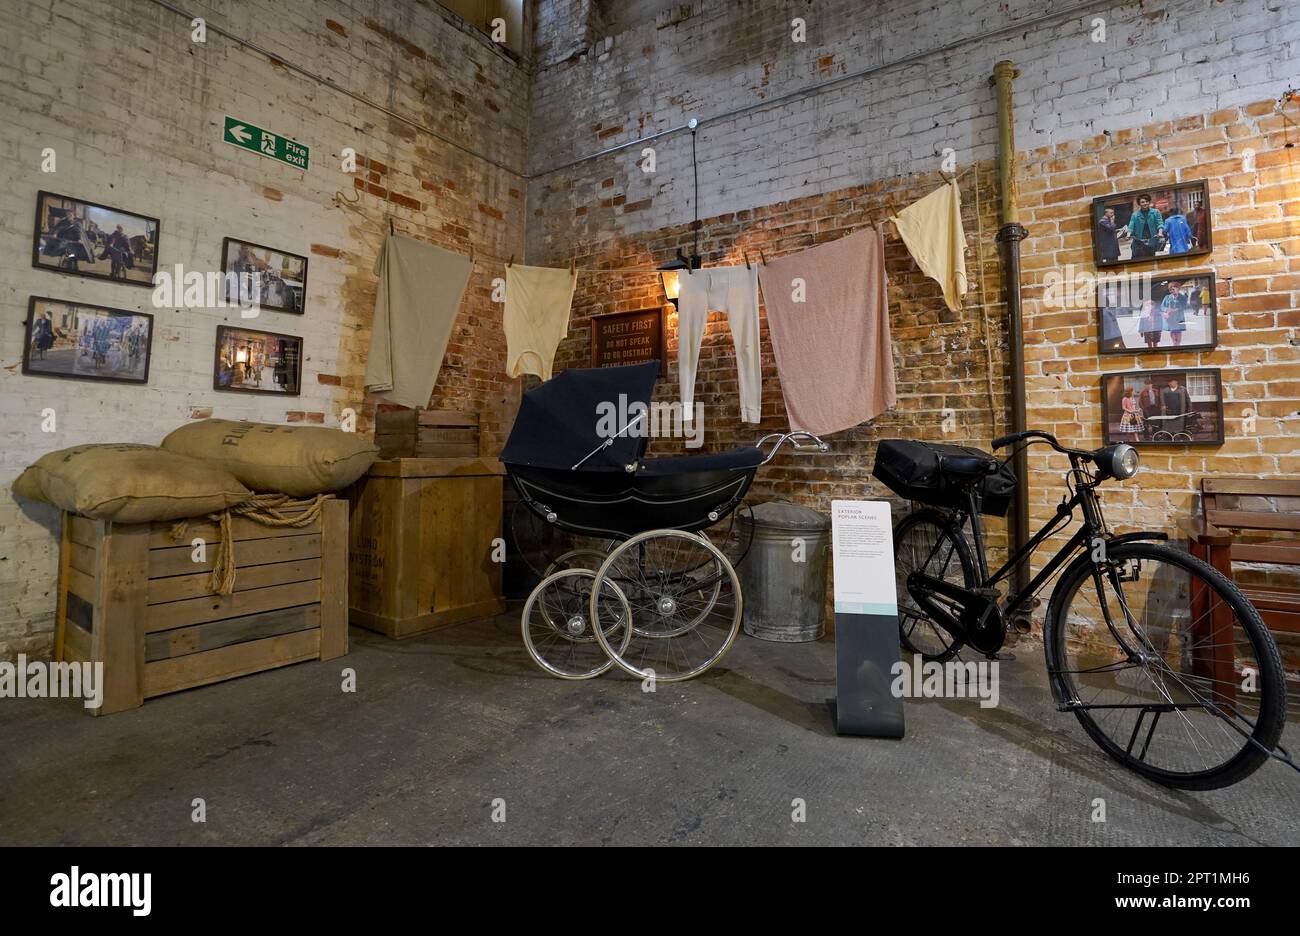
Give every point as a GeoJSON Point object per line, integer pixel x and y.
{"type": "Point", "coordinates": [924, 541]}
{"type": "Point", "coordinates": [1167, 666]}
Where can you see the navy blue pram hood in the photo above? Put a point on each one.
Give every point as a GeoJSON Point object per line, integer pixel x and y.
{"type": "Point", "coordinates": [563, 420]}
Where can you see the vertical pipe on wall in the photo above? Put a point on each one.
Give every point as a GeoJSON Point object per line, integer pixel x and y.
{"type": "Point", "coordinates": [1010, 234]}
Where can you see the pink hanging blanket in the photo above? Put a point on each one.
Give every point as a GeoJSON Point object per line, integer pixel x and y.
{"type": "Point", "coordinates": [832, 348]}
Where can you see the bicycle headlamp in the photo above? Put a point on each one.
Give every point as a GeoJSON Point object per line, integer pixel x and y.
{"type": "Point", "coordinates": [1117, 461]}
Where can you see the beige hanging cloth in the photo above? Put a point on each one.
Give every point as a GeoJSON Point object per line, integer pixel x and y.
{"type": "Point", "coordinates": [932, 230]}
{"type": "Point", "coordinates": [420, 288]}
{"type": "Point", "coordinates": [536, 317]}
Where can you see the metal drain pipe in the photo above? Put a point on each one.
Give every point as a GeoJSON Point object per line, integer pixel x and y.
{"type": "Point", "coordinates": [1010, 234]}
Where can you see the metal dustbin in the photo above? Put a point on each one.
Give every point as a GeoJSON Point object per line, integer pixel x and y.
{"type": "Point", "coordinates": [783, 576]}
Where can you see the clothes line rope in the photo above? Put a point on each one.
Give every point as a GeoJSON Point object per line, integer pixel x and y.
{"type": "Point", "coordinates": [875, 220]}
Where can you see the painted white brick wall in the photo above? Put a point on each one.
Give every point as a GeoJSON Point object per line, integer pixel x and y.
{"type": "Point", "coordinates": [1161, 59]}
{"type": "Point", "coordinates": [134, 112]}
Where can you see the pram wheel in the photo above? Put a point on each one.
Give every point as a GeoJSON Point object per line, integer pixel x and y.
{"type": "Point", "coordinates": [557, 624]}
{"type": "Point", "coordinates": [685, 600]}
{"type": "Point", "coordinates": [577, 559]}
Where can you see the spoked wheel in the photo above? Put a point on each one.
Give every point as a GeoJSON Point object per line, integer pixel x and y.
{"type": "Point", "coordinates": [557, 624]}
{"type": "Point", "coordinates": [1167, 666]}
{"type": "Point", "coordinates": [577, 559]}
{"type": "Point", "coordinates": [924, 542]}
{"type": "Point", "coordinates": [1163, 436]}
{"type": "Point", "coordinates": [686, 605]}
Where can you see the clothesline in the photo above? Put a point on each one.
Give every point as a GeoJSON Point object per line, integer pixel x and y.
{"type": "Point", "coordinates": [478, 258]}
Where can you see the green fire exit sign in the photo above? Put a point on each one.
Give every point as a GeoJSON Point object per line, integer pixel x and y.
{"type": "Point", "coordinates": [245, 135]}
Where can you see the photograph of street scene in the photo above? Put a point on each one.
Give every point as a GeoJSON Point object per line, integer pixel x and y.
{"type": "Point", "coordinates": [88, 342]}
{"type": "Point", "coordinates": [86, 239]}
{"type": "Point", "coordinates": [1158, 313]}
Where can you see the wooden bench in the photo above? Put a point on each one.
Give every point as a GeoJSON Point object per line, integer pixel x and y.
{"type": "Point", "coordinates": [1240, 518]}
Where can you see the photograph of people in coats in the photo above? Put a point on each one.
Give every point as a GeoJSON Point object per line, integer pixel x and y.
{"type": "Point", "coordinates": [1156, 223]}
{"type": "Point", "coordinates": [87, 239]}
{"type": "Point", "coordinates": [1157, 314]}
{"type": "Point", "coordinates": [1164, 407]}
{"type": "Point", "coordinates": [66, 339]}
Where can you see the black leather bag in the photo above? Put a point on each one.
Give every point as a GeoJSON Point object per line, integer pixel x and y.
{"type": "Point", "coordinates": [914, 470]}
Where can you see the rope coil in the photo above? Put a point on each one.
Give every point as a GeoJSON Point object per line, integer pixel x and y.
{"type": "Point", "coordinates": [272, 510]}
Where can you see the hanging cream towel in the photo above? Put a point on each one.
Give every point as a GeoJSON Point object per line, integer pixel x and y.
{"type": "Point", "coordinates": [536, 317]}
{"type": "Point", "coordinates": [932, 230]}
{"type": "Point", "coordinates": [420, 288]}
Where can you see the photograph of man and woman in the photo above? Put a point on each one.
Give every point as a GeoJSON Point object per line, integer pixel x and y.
{"type": "Point", "coordinates": [1157, 313]}
{"type": "Point", "coordinates": [85, 239]}
{"type": "Point", "coordinates": [66, 339]}
{"type": "Point", "coordinates": [1155, 223]}
{"type": "Point", "coordinates": [1166, 407]}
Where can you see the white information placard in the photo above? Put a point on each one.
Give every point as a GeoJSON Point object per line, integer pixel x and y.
{"type": "Point", "coordinates": [866, 619]}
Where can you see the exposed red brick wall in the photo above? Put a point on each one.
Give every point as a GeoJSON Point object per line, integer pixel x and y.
{"type": "Point", "coordinates": [941, 358]}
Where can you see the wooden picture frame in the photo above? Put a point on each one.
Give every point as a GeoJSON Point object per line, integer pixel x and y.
{"type": "Point", "coordinates": [88, 351]}
{"type": "Point", "coordinates": [1188, 200]}
{"type": "Point", "coordinates": [636, 337]}
{"type": "Point", "coordinates": [1127, 325]}
{"type": "Point", "coordinates": [1155, 424]}
{"type": "Point", "coordinates": [267, 287]}
{"type": "Point", "coordinates": [267, 359]}
{"type": "Point", "coordinates": [77, 237]}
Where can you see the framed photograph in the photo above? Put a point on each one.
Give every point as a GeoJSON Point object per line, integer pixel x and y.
{"type": "Point", "coordinates": [1164, 407]}
{"type": "Point", "coordinates": [263, 276]}
{"type": "Point", "coordinates": [249, 361]}
{"type": "Point", "coordinates": [1151, 224]}
{"type": "Point", "coordinates": [86, 342]}
{"type": "Point", "coordinates": [629, 338]}
{"type": "Point", "coordinates": [1157, 313]}
{"type": "Point", "coordinates": [82, 238]}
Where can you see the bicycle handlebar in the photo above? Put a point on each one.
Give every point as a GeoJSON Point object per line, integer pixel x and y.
{"type": "Point", "coordinates": [1043, 436]}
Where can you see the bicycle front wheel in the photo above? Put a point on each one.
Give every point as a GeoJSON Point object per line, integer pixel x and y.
{"type": "Point", "coordinates": [1167, 666]}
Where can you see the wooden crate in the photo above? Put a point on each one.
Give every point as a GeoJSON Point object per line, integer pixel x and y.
{"type": "Point", "coordinates": [132, 598]}
{"type": "Point", "coordinates": [422, 532]}
{"type": "Point", "coordinates": [421, 433]}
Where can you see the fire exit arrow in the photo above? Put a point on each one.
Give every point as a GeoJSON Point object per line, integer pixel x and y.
{"type": "Point", "coordinates": [275, 146]}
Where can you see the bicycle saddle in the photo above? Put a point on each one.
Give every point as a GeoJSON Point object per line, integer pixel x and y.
{"type": "Point", "coordinates": [967, 466]}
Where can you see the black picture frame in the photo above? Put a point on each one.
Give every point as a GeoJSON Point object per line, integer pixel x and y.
{"type": "Point", "coordinates": [1158, 427]}
{"type": "Point", "coordinates": [1183, 197]}
{"type": "Point", "coordinates": [90, 355]}
{"type": "Point", "coordinates": [1120, 327]}
{"type": "Point", "coordinates": [296, 291]}
{"type": "Point", "coordinates": [256, 362]}
{"type": "Point", "coordinates": [88, 241]}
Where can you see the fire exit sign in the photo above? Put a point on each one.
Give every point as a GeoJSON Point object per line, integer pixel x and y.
{"type": "Point", "coordinates": [245, 135]}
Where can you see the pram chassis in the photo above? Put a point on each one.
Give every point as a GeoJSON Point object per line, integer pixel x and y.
{"type": "Point", "coordinates": [663, 573]}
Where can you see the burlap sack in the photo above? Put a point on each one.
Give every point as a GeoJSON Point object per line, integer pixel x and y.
{"type": "Point", "coordinates": [297, 460]}
{"type": "Point", "coordinates": [129, 483]}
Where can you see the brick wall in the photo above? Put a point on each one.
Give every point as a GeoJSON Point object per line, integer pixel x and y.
{"type": "Point", "coordinates": [942, 359]}
{"type": "Point", "coordinates": [134, 109]}
{"type": "Point", "coordinates": [1250, 155]}
{"type": "Point", "coordinates": [600, 83]}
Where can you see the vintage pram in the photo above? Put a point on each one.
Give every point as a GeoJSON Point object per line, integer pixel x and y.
{"type": "Point", "coordinates": [661, 600]}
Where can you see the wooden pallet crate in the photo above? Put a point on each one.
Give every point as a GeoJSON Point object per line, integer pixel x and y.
{"type": "Point", "coordinates": [421, 433]}
{"type": "Point", "coordinates": [422, 532]}
{"type": "Point", "coordinates": [133, 598]}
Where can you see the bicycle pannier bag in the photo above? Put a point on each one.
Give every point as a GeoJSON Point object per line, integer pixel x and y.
{"type": "Point", "coordinates": [912, 470]}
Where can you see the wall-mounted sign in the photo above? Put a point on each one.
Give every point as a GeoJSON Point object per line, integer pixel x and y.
{"type": "Point", "coordinates": [866, 620]}
{"type": "Point", "coordinates": [628, 338]}
{"type": "Point", "coordinates": [245, 135]}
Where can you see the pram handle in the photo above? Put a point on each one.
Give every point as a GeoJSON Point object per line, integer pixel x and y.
{"type": "Point", "coordinates": [795, 439]}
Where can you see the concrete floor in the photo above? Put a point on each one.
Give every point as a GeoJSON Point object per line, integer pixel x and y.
{"type": "Point", "coordinates": [442, 726]}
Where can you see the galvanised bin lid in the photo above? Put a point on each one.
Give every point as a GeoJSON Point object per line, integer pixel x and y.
{"type": "Point", "coordinates": [781, 515]}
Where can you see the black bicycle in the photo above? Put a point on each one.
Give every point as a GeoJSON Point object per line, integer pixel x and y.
{"type": "Point", "coordinates": [1130, 628]}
